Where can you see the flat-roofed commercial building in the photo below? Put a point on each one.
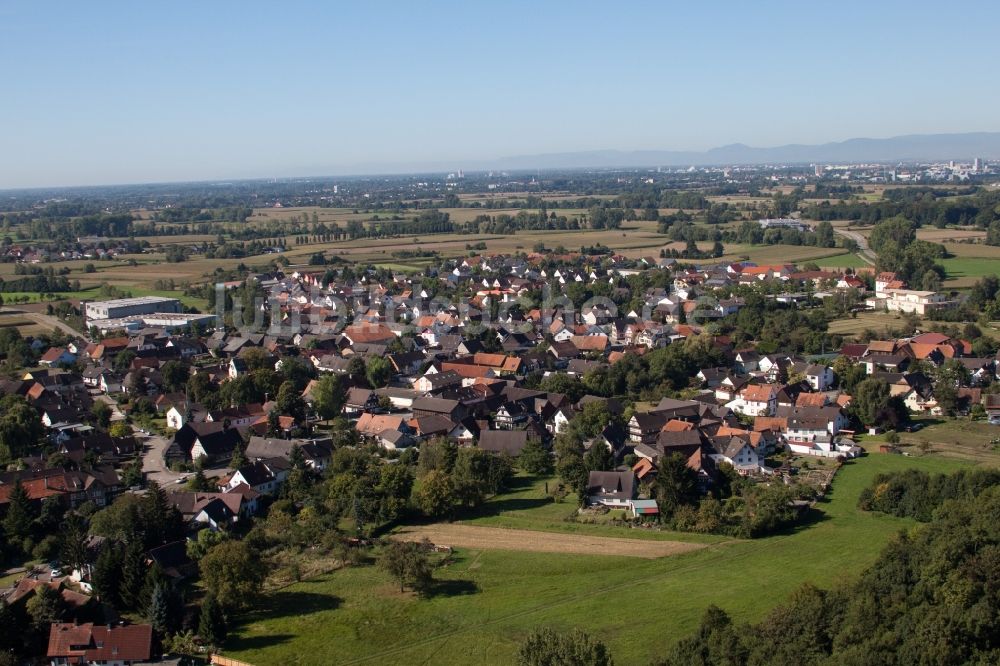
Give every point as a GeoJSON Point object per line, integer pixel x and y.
{"type": "Point", "coordinates": [129, 307]}
{"type": "Point", "coordinates": [168, 321]}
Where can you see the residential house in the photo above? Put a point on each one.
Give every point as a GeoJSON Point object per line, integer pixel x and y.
{"type": "Point", "coordinates": [612, 489]}
{"type": "Point", "coordinates": [819, 377]}
{"type": "Point", "coordinates": [263, 476]}
{"type": "Point", "coordinates": [509, 442]}
{"type": "Point", "coordinates": [90, 644]}
{"type": "Point", "coordinates": [212, 441]}
{"type": "Point", "coordinates": [756, 400]}
{"type": "Point", "coordinates": [644, 428]}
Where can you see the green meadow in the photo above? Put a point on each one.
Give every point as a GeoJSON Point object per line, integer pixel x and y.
{"type": "Point", "coordinates": [486, 601]}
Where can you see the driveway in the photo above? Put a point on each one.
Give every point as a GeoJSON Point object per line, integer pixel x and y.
{"type": "Point", "coordinates": [155, 467]}
{"type": "Point", "coordinates": [153, 464]}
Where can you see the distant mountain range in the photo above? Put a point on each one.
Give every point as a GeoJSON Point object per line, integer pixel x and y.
{"type": "Point", "coordinates": [908, 148]}
{"type": "Point", "coordinates": [911, 147]}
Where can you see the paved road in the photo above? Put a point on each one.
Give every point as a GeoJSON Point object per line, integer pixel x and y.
{"type": "Point", "coordinates": [45, 320]}
{"type": "Point", "coordinates": [864, 251]}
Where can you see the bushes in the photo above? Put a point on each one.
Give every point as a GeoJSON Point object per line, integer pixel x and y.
{"type": "Point", "coordinates": [915, 494]}
{"type": "Point", "coordinates": [755, 512]}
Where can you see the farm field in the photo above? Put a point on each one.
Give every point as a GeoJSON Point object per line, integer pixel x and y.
{"type": "Point", "coordinates": [963, 272]}
{"type": "Point", "coordinates": [973, 250]}
{"type": "Point", "coordinates": [931, 234]}
{"type": "Point", "coordinates": [942, 235]}
{"type": "Point", "coordinates": [24, 325]}
{"type": "Point", "coordinates": [636, 239]}
{"type": "Point", "coordinates": [777, 254]}
{"type": "Point", "coordinates": [498, 538]}
{"type": "Point", "coordinates": [877, 321]}
{"type": "Point", "coordinates": [848, 260]}
{"type": "Point", "coordinates": [486, 601]}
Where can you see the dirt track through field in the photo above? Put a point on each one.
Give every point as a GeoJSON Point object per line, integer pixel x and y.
{"type": "Point", "coordinates": [497, 538]}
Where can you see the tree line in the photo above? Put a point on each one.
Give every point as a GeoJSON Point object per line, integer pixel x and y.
{"type": "Point", "coordinates": [930, 598]}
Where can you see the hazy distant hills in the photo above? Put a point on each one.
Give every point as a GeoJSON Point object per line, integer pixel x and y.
{"type": "Point", "coordinates": [911, 147]}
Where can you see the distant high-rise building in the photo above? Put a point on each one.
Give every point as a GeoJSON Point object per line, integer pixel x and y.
{"type": "Point", "coordinates": [819, 171]}
{"type": "Point", "coordinates": [977, 165]}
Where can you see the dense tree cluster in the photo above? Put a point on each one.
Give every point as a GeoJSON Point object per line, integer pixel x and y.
{"type": "Point", "coordinates": [916, 494]}
{"type": "Point", "coordinates": [778, 327]}
{"type": "Point", "coordinates": [751, 233]}
{"type": "Point", "coordinates": [734, 506]}
{"type": "Point", "coordinates": [914, 261]}
{"type": "Point", "coordinates": [21, 428]}
{"type": "Point", "coordinates": [922, 206]}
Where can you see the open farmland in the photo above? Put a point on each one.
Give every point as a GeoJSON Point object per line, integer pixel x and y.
{"type": "Point", "coordinates": [963, 272]}
{"type": "Point", "coordinates": [496, 538]}
{"type": "Point", "coordinates": [877, 321]}
{"type": "Point", "coordinates": [964, 440]}
{"type": "Point", "coordinates": [935, 235]}
{"type": "Point", "coordinates": [778, 254]}
{"type": "Point", "coordinates": [140, 273]}
{"type": "Point", "coordinates": [979, 250]}
{"type": "Point", "coordinates": [23, 324]}
{"type": "Point", "coordinates": [842, 261]}
{"type": "Point", "coordinates": [487, 600]}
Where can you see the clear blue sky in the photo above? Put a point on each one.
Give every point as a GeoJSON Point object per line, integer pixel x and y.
{"type": "Point", "coordinates": [111, 92]}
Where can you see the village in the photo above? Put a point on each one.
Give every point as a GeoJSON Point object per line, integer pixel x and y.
{"type": "Point", "coordinates": [216, 414]}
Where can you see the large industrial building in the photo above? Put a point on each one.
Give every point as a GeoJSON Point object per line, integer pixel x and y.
{"type": "Point", "coordinates": [168, 321]}
{"type": "Point", "coordinates": [129, 307]}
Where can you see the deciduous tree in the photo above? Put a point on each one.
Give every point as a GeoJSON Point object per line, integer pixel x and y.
{"type": "Point", "coordinates": [407, 563]}
{"type": "Point", "coordinates": [233, 573]}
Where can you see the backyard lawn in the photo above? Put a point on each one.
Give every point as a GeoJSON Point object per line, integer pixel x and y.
{"type": "Point", "coordinates": [486, 601]}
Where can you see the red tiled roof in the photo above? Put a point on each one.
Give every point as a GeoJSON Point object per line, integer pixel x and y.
{"type": "Point", "coordinates": [590, 342]}
{"type": "Point", "coordinates": [52, 354]}
{"type": "Point", "coordinates": [368, 333]}
{"type": "Point", "coordinates": [97, 643]}
{"type": "Point", "coordinates": [772, 423]}
{"type": "Point", "coordinates": [676, 425]}
{"type": "Point", "coordinates": [467, 370]}
{"type": "Point", "coordinates": [811, 400]}
{"type": "Point", "coordinates": [758, 392]}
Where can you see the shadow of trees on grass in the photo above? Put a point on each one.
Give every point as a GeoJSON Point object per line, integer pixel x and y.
{"type": "Point", "coordinates": [241, 643]}
{"type": "Point", "coordinates": [288, 603]}
{"type": "Point", "coordinates": [451, 588]}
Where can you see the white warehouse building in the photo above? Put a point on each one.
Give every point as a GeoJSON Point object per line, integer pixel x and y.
{"type": "Point", "coordinates": [129, 307]}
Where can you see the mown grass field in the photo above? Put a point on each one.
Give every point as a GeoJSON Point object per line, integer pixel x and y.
{"type": "Point", "coordinates": [487, 601]}
{"type": "Point", "coordinates": [877, 321]}
{"type": "Point", "coordinates": [778, 254]}
{"type": "Point", "coordinates": [527, 507]}
{"type": "Point", "coordinates": [965, 271]}
{"type": "Point", "coordinates": [958, 439]}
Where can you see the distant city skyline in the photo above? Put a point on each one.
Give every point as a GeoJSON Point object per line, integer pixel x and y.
{"type": "Point", "coordinates": [121, 92]}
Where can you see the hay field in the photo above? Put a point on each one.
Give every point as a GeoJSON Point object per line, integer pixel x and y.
{"type": "Point", "coordinates": [498, 538]}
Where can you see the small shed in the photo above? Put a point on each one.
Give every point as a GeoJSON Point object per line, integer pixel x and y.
{"type": "Point", "coordinates": [643, 507]}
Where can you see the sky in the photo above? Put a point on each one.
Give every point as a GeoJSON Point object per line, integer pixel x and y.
{"type": "Point", "coordinates": [122, 92]}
